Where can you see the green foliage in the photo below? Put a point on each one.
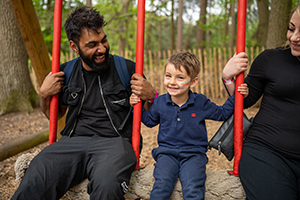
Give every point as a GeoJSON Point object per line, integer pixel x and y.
{"type": "Point", "coordinates": [45, 12]}
{"type": "Point", "coordinates": [157, 22]}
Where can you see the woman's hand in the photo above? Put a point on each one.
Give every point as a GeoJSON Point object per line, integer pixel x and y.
{"type": "Point", "coordinates": [236, 65]}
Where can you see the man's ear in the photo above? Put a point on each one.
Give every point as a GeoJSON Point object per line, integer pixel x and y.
{"type": "Point", "coordinates": [73, 46]}
{"type": "Point", "coordinates": [194, 82]}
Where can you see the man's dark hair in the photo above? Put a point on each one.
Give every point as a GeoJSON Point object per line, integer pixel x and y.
{"type": "Point", "coordinates": [83, 18]}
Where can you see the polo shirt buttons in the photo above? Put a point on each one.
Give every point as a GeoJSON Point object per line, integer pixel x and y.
{"type": "Point", "coordinates": [178, 119]}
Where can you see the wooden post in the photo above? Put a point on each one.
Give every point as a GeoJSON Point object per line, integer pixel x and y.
{"type": "Point", "coordinates": [33, 38]}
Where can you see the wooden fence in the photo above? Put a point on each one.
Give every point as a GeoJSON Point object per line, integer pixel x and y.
{"type": "Point", "coordinates": [210, 77]}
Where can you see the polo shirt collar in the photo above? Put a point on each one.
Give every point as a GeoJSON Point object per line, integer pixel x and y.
{"type": "Point", "coordinates": [190, 100]}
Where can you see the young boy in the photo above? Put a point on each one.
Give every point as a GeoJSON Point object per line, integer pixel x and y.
{"type": "Point", "coordinates": [182, 136]}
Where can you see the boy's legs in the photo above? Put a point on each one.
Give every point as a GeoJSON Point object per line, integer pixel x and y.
{"type": "Point", "coordinates": [112, 160]}
{"type": "Point", "coordinates": [54, 170]}
{"type": "Point", "coordinates": [192, 174]}
{"type": "Point", "coordinates": [165, 173]}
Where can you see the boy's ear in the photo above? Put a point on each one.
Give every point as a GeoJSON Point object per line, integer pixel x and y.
{"type": "Point", "coordinates": [194, 82]}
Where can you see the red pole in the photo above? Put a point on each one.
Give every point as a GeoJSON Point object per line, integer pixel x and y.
{"type": "Point", "coordinates": [239, 99]}
{"type": "Point", "coordinates": [55, 68]}
{"type": "Point", "coordinates": [136, 126]}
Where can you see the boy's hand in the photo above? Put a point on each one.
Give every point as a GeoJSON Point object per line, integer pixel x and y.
{"type": "Point", "coordinates": [243, 89]}
{"type": "Point", "coordinates": [134, 99]}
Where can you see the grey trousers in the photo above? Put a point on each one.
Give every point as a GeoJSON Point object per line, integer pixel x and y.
{"type": "Point", "coordinates": [106, 162]}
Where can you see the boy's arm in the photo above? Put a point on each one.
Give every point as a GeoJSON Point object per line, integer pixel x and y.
{"type": "Point", "coordinates": [148, 118]}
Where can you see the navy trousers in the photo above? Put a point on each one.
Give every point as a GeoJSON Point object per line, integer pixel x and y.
{"type": "Point", "coordinates": [106, 162]}
{"type": "Point", "coordinates": [267, 175]}
{"type": "Point", "coordinates": [186, 164]}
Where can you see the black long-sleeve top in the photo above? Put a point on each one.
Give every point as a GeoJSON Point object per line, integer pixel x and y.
{"type": "Point", "coordinates": [275, 74]}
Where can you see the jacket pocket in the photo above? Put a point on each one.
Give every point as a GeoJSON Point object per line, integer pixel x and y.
{"type": "Point", "coordinates": [117, 98]}
{"type": "Point", "coordinates": [72, 95]}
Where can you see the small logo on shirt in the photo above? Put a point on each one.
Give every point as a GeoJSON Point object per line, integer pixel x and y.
{"type": "Point", "coordinates": [74, 95]}
{"type": "Point", "coordinates": [124, 186]}
{"type": "Point", "coordinates": [193, 114]}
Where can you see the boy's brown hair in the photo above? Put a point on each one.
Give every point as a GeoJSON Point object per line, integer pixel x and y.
{"type": "Point", "coordinates": [186, 60]}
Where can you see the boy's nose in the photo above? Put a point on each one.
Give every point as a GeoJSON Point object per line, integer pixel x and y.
{"type": "Point", "coordinates": [173, 81]}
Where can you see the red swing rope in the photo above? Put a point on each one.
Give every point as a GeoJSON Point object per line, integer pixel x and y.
{"type": "Point", "coordinates": [239, 99]}
{"type": "Point", "coordinates": [55, 68]}
{"type": "Point", "coordinates": [136, 126]}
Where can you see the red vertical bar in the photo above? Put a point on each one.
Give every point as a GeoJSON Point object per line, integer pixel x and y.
{"type": "Point", "coordinates": [239, 99]}
{"type": "Point", "coordinates": [139, 70]}
{"type": "Point", "coordinates": [55, 68]}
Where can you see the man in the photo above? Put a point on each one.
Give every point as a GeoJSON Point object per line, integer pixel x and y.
{"type": "Point", "coordinates": [95, 142]}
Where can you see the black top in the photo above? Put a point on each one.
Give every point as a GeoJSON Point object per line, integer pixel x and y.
{"type": "Point", "coordinates": [275, 74]}
{"type": "Point", "coordinates": [93, 118]}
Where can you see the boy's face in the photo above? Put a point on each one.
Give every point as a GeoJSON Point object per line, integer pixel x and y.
{"type": "Point", "coordinates": [176, 82]}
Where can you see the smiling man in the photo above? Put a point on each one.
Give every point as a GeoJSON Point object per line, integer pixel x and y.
{"type": "Point", "coordinates": [96, 140]}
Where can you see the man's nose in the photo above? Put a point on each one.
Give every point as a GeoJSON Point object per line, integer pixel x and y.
{"type": "Point", "coordinates": [101, 48]}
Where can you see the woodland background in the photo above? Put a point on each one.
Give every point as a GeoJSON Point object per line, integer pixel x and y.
{"type": "Point", "coordinates": [26, 34]}
{"type": "Point", "coordinates": [204, 27]}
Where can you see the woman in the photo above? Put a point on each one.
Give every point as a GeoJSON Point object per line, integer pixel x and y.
{"type": "Point", "coordinates": [270, 164]}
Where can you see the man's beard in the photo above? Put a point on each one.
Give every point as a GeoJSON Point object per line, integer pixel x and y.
{"type": "Point", "coordinates": [97, 67]}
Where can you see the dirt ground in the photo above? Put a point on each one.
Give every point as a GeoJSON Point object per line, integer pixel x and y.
{"type": "Point", "coordinates": [16, 125]}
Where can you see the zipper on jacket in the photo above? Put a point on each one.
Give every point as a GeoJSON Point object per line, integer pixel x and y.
{"type": "Point", "coordinates": [84, 92]}
{"type": "Point", "coordinates": [104, 103]}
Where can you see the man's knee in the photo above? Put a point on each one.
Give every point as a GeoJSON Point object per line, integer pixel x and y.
{"type": "Point", "coordinates": [107, 187]}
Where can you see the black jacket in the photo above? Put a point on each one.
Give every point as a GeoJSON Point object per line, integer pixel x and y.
{"type": "Point", "coordinates": [113, 94]}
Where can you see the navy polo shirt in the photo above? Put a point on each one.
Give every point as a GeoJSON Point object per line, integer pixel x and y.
{"type": "Point", "coordinates": [184, 127]}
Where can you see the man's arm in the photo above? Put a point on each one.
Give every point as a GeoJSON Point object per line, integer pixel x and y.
{"type": "Point", "coordinates": [52, 85]}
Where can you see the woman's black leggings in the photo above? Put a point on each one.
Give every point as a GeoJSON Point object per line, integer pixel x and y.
{"type": "Point", "coordinates": [265, 174]}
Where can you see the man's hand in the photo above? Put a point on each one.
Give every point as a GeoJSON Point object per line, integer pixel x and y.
{"type": "Point", "coordinates": [141, 87]}
{"type": "Point", "coordinates": [52, 84]}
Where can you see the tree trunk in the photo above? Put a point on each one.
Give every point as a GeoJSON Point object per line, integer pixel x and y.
{"type": "Point", "coordinates": [16, 90]}
{"type": "Point", "coordinates": [179, 26]}
{"type": "Point", "coordinates": [172, 27]}
{"type": "Point", "coordinates": [123, 27]}
{"type": "Point", "coordinates": [89, 3]}
{"type": "Point", "coordinates": [278, 21]}
{"type": "Point", "coordinates": [186, 45]}
{"type": "Point", "coordinates": [201, 25]}
{"type": "Point", "coordinates": [263, 14]}
{"type": "Point", "coordinates": [232, 29]}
